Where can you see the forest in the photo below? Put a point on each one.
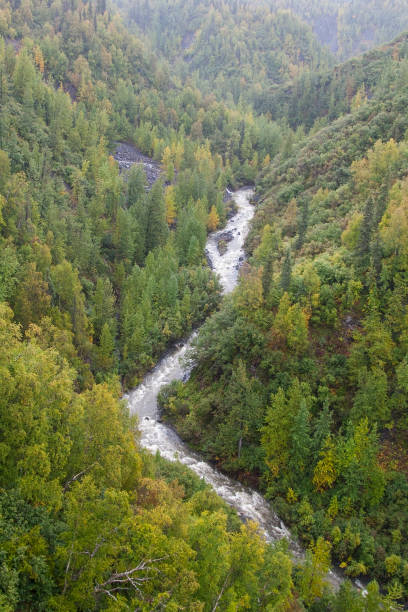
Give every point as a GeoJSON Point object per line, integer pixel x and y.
{"type": "Point", "coordinates": [300, 384]}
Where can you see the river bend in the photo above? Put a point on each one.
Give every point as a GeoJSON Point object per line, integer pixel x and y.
{"type": "Point", "coordinates": [155, 436]}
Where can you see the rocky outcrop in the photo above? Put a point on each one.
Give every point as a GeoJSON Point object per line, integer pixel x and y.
{"type": "Point", "coordinates": [127, 155]}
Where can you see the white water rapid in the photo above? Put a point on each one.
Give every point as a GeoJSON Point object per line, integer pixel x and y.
{"type": "Point", "coordinates": [156, 436]}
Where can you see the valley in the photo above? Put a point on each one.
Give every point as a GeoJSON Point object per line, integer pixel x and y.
{"type": "Point", "coordinates": [203, 311]}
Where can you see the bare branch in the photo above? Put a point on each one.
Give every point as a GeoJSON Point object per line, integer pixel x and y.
{"type": "Point", "coordinates": [220, 594]}
{"type": "Point", "coordinates": [66, 572]}
{"type": "Point", "coordinates": [128, 577]}
{"type": "Point", "coordinates": [71, 480]}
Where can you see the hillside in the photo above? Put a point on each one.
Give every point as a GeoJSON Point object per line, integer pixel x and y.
{"type": "Point", "coordinates": [323, 96]}
{"type": "Point", "coordinates": [232, 48]}
{"type": "Point", "coordinates": [304, 388]}
{"type": "Point", "coordinates": [84, 84]}
{"type": "Point", "coordinates": [300, 384]}
{"type": "Point", "coordinates": [351, 27]}
{"type": "Point", "coordinates": [243, 49]}
{"type": "Point", "coordinates": [96, 280]}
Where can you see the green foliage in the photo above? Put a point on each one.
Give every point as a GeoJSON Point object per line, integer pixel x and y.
{"type": "Point", "coordinates": [230, 48]}
{"type": "Point", "coordinates": [80, 519]}
{"type": "Point", "coordinates": [300, 383]}
{"type": "Point", "coordinates": [325, 343]}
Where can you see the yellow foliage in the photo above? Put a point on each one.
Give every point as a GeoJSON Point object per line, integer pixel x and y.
{"type": "Point", "coordinates": [166, 159]}
{"type": "Point", "coordinates": [394, 224]}
{"type": "Point", "coordinates": [290, 327]}
{"type": "Point", "coordinates": [178, 149]}
{"type": "Point", "coordinates": [213, 219]}
{"type": "Point", "coordinates": [249, 296]}
{"type": "Point", "coordinates": [291, 496]}
{"type": "Point", "coordinates": [352, 232]}
{"type": "Point", "coordinates": [312, 283]}
{"type": "Point", "coordinates": [170, 204]}
{"type": "Point", "coordinates": [359, 99]}
{"type": "Point", "coordinates": [325, 471]}
{"type": "Point", "coordinates": [38, 58]}
{"type": "Point", "coordinates": [333, 508]}
{"type": "Point", "coordinates": [166, 330]}
{"type": "Point", "coordinates": [314, 576]}
{"type": "Point", "coordinates": [379, 165]}
{"type": "Point", "coordinates": [173, 156]}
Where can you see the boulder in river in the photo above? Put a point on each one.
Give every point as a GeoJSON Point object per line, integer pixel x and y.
{"type": "Point", "coordinates": [208, 258]}
{"type": "Point", "coordinates": [222, 247]}
{"type": "Point", "coordinates": [222, 240]}
{"type": "Point", "coordinates": [226, 236]}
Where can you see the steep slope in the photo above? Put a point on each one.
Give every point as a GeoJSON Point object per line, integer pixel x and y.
{"type": "Point", "coordinates": [230, 48]}
{"type": "Point", "coordinates": [304, 388]}
{"type": "Point", "coordinates": [351, 27]}
{"type": "Point", "coordinates": [244, 47]}
{"type": "Point", "coordinates": [101, 281]}
{"type": "Point", "coordinates": [83, 249]}
{"type": "Point", "coordinates": [99, 273]}
{"type": "Point", "coordinates": [324, 96]}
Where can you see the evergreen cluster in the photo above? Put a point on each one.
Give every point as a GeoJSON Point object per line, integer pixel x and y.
{"type": "Point", "coordinates": [301, 378]}
{"type": "Point", "coordinates": [299, 381]}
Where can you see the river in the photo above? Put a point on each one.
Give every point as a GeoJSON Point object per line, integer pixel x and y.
{"type": "Point", "coordinates": [156, 436]}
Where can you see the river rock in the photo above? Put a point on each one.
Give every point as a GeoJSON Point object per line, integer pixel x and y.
{"type": "Point", "coordinates": [223, 239]}
{"type": "Point", "coordinates": [222, 247]}
{"type": "Point", "coordinates": [208, 258]}
{"type": "Point", "coordinates": [226, 236]}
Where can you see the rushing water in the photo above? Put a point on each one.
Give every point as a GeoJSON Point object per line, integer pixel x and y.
{"type": "Point", "coordinates": [155, 436]}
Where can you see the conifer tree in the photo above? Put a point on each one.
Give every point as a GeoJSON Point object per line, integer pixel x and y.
{"type": "Point", "coordinates": [363, 245]}
{"type": "Point", "coordinates": [171, 212]}
{"type": "Point", "coordinates": [136, 184]}
{"type": "Point", "coordinates": [301, 442]}
{"type": "Point", "coordinates": [286, 273]}
{"type": "Point", "coordinates": [106, 349]}
{"type": "Point", "coordinates": [156, 229]}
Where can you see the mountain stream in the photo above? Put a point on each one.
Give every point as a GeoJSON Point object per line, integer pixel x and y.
{"type": "Point", "coordinates": [156, 436]}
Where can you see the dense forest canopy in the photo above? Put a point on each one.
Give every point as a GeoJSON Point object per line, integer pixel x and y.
{"type": "Point", "coordinates": [303, 387]}
{"type": "Point", "coordinates": [230, 48]}
{"type": "Point", "coordinates": [349, 27]}
{"type": "Point", "coordinates": [301, 377]}
{"type": "Point", "coordinates": [242, 46]}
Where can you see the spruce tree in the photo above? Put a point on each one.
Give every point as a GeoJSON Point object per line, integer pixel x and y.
{"type": "Point", "coordinates": [301, 443]}
{"type": "Point", "coordinates": [302, 224]}
{"type": "Point", "coordinates": [286, 274]}
{"type": "Point", "coordinates": [136, 187]}
{"type": "Point", "coordinates": [106, 350]}
{"type": "Point", "coordinates": [267, 273]}
{"type": "Point", "coordinates": [363, 246]}
{"type": "Point", "coordinates": [156, 230]}
{"type": "Point", "coordinates": [322, 427]}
